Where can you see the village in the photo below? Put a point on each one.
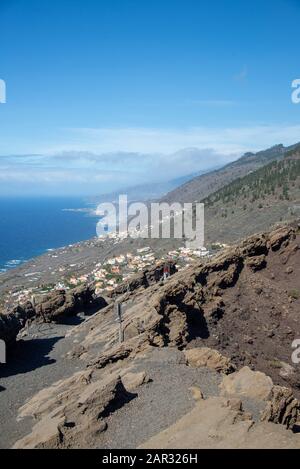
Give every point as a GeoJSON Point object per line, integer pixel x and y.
{"type": "Point", "coordinates": [107, 275]}
{"type": "Point", "coordinates": [121, 268]}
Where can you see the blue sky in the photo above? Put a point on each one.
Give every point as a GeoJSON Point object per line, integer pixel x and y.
{"type": "Point", "coordinates": [106, 92]}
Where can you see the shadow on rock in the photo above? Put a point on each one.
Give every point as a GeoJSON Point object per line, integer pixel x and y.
{"type": "Point", "coordinates": [122, 397]}
{"type": "Point", "coordinates": [71, 320]}
{"type": "Point", "coordinates": [28, 356]}
{"type": "Point", "coordinates": [197, 324]}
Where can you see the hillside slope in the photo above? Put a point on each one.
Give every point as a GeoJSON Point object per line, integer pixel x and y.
{"type": "Point", "coordinates": [256, 201]}
{"type": "Point", "coordinates": [171, 368]}
{"type": "Point", "coordinates": [206, 184]}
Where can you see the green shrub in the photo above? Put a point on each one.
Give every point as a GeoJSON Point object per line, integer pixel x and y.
{"type": "Point", "coordinates": [295, 294]}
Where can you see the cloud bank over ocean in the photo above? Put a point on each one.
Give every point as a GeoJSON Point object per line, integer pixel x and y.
{"type": "Point", "coordinates": [85, 173]}
{"type": "Point", "coordinates": [92, 161]}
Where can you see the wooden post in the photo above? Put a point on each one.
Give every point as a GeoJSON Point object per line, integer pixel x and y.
{"type": "Point", "coordinates": [119, 318]}
{"type": "Point", "coordinates": [2, 352]}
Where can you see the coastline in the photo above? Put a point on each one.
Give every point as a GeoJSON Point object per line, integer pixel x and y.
{"type": "Point", "coordinates": [33, 227]}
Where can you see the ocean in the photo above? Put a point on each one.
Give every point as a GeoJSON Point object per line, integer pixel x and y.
{"type": "Point", "coordinates": [31, 226]}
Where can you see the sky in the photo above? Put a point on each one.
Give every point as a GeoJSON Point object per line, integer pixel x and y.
{"type": "Point", "coordinates": [101, 94]}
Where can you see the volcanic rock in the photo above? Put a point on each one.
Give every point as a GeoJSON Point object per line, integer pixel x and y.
{"type": "Point", "coordinates": [283, 408]}
{"type": "Point", "coordinates": [246, 382]}
{"type": "Point", "coordinates": [209, 358]}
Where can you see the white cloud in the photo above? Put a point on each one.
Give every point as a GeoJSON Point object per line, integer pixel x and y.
{"type": "Point", "coordinates": [226, 141]}
{"type": "Point", "coordinates": [104, 159]}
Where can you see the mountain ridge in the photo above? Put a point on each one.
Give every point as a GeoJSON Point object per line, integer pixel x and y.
{"type": "Point", "coordinates": [256, 201]}
{"type": "Point", "coordinates": [204, 185]}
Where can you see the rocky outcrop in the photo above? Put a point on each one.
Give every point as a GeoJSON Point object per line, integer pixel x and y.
{"type": "Point", "coordinates": [256, 263]}
{"type": "Point", "coordinates": [283, 408]}
{"type": "Point", "coordinates": [11, 324]}
{"type": "Point", "coordinates": [79, 411]}
{"type": "Point", "coordinates": [239, 304]}
{"type": "Point", "coordinates": [132, 380]}
{"type": "Point", "coordinates": [63, 303]}
{"type": "Point", "coordinates": [246, 382]}
{"type": "Point", "coordinates": [222, 422]}
{"type": "Point", "coordinates": [206, 357]}
{"type": "Point", "coordinates": [72, 412]}
{"type": "Point", "coordinates": [280, 236]}
{"type": "Point", "coordinates": [51, 307]}
{"type": "Point", "coordinates": [236, 305]}
{"type": "Point", "coordinates": [144, 279]}
{"type": "Point", "coordinates": [217, 423]}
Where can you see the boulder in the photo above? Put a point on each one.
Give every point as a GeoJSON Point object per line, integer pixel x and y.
{"type": "Point", "coordinates": [246, 382]}
{"type": "Point", "coordinates": [11, 324]}
{"type": "Point", "coordinates": [52, 305]}
{"type": "Point", "coordinates": [206, 357]}
{"type": "Point", "coordinates": [196, 393]}
{"type": "Point", "coordinates": [256, 263]}
{"type": "Point", "coordinates": [63, 303]}
{"type": "Point", "coordinates": [132, 380]}
{"type": "Point", "coordinates": [279, 236]}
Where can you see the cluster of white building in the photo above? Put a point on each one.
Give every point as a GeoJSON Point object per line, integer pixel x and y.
{"type": "Point", "coordinates": [107, 275]}
{"type": "Point", "coordinates": [119, 268]}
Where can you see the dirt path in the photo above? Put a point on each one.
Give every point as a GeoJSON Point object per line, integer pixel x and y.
{"type": "Point", "coordinates": [37, 362]}
{"type": "Point", "coordinates": [160, 402]}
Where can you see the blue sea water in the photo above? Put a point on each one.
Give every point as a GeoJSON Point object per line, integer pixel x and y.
{"type": "Point", "coordinates": [31, 226]}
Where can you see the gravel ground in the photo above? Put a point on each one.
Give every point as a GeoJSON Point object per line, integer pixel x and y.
{"type": "Point", "coordinates": [163, 401]}
{"type": "Point", "coordinates": [37, 362]}
{"type": "Point", "coordinates": [159, 403]}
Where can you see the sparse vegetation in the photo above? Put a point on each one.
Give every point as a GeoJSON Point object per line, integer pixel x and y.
{"type": "Point", "coordinates": [275, 364]}
{"type": "Point", "coordinates": [273, 180]}
{"type": "Point", "coordinates": [294, 293]}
